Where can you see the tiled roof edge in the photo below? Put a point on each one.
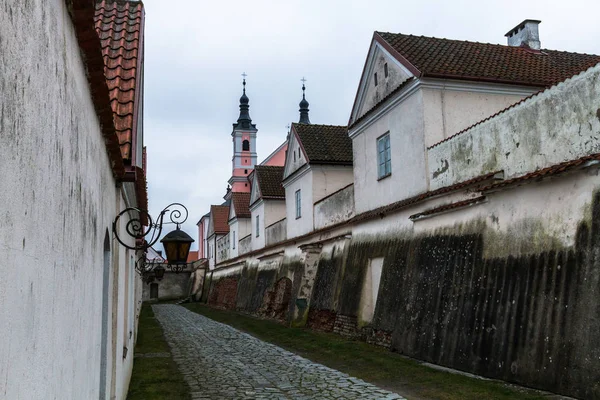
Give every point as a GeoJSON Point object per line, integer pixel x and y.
{"type": "Point", "coordinates": [504, 110]}
{"type": "Point", "coordinates": [83, 12]}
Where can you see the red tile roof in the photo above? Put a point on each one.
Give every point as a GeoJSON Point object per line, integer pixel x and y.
{"type": "Point", "coordinates": [325, 144]}
{"type": "Point", "coordinates": [269, 181]}
{"type": "Point", "coordinates": [220, 217]}
{"type": "Point", "coordinates": [241, 203]}
{"type": "Point", "coordinates": [192, 256]}
{"type": "Point", "coordinates": [119, 25]}
{"type": "Point", "coordinates": [456, 59]}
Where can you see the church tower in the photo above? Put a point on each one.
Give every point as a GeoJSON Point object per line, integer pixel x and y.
{"type": "Point", "coordinates": [244, 146]}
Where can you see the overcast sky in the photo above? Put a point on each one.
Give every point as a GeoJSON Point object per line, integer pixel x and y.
{"type": "Point", "coordinates": [196, 51]}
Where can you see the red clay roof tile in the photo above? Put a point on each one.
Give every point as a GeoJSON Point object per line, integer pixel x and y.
{"type": "Point", "coordinates": [220, 217]}
{"type": "Point", "coordinates": [241, 203]}
{"type": "Point", "coordinates": [456, 59]}
{"type": "Point", "coordinates": [119, 25]}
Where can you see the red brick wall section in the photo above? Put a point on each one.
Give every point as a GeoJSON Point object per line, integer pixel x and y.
{"type": "Point", "coordinates": [224, 293]}
{"type": "Point", "coordinates": [347, 326]}
{"type": "Point", "coordinates": [275, 302]}
{"type": "Point", "coordinates": [321, 320]}
{"type": "Point", "coordinates": [380, 338]}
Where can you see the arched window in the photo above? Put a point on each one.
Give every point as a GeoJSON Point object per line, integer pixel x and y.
{"type": "Point", "coordinates": [245, 145]}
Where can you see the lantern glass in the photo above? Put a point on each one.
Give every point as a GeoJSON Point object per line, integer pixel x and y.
{"type": "Point", "coordinates": [177, 245]}
{"type": "Point", "coordinates": [159, 272]}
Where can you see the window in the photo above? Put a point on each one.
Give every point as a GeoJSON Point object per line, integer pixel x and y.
{"type": "Point", "coordinates": [245, 171]}
{"type": "Point", "coordinates": [383, 156]}
{"type": "Point", "coordinates": [257, 227]}
{"type": "Point", "coordinates": [385, 70]}
{"type": "Point", "coordinates": [245, 145]}
{"type": "Point", "coordinates": [375, 78]}
{"type": "Point", "coordinates": [294, 155]}
{"type": "Point", "coordinates": [234, 239]}
{"type": "Point", "coordinates": [298, 204]}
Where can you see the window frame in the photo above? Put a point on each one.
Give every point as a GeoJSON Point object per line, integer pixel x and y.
{"type": "Point", "coordinates": [384, 156]}
{"type": "Point", "coordinates": [298, 203]}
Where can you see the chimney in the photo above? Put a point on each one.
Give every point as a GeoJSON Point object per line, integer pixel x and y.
{"type": "Point", "coordinates": [525, 35]}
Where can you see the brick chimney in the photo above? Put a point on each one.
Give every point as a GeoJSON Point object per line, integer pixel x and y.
{"type": "Point", "coordinates": [525, 35]}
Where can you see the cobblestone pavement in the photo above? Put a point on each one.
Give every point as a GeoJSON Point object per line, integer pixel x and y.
{"type": "Point", "coordinates": [220, 362]}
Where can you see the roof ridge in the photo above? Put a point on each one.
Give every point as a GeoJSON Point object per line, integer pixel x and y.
{"type": "Point", "coordinates": [484, 43]}
{"type": "Point", "coordinates": [335, 126]}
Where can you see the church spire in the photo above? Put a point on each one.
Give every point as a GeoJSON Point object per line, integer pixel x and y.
{"type": "Point", "coordinates": [304, 106]}
{"type": "Point", "coordinates": [244, 119]}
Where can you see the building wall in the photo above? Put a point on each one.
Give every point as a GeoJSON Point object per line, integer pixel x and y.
{"type": "Point", "coordinates": [448, 111]}
{"type": "Point", "coordinates": [557, 125]}
{"type": "Point", "coordinates": [258, 211]}
{"type": "Point", "coordinates": [58, 197]}
{"type": "Point", "coordinates": [172, 286]}
{"type": "Point", "coordinates": [409, 169]}
{"type": "Point", "coordinates": [334, 209]}
{"type": "Point", "coordinates": [304, 224]}
{"type": "Point", "coordinates": [276, 232]}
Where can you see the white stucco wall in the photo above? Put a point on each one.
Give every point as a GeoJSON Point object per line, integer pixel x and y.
{"type": "Point", "coordinates": [557, 125]}
{"type": "Point", "coordinates": [304, 224]}
{"type": "Point", "coordinates": [58, 199]}
{"type": "Point", "coordinates": [334, 209]}
{"type": "Point", "coordinates": [408, 178]}
{"type": "Point", "coordinates": [258, 210]}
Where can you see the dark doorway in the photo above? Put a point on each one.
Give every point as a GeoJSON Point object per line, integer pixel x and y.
{"type": "Point", "coordinates": [154, 290]}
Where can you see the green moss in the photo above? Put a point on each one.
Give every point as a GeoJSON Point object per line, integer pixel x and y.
{"type": "Point", "coordinates": [154, 378]}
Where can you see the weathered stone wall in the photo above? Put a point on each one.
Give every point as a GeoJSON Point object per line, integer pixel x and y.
{"type": "Point", "coordinates": [276, 232]}
{"type": "Point", "coordinates": [559, 124]}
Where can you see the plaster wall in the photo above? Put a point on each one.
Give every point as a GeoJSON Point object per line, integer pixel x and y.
{"type": "Point", "coordinates": [276, 232]}
{"type": "Point", "coordinates": [334, 209]}
{"type": "Point", "coordinates": [245, 245]}
{"type": "Point", "coordinates": [258, 212]}
{"type": "Point", "coordinates": [295, 156]}
{"type": "Point", "coordinates": [277, 159]}
{"type": "Point", "coordinates": [241, 227]}
{"type": "Point", "coordinates": [328, 179]}
{"type": "Point", "coordinates": [409, 177]}
{"type": "Point", "coordinates": [304, 224]}
{"type": "Point", "coordinates": [448, 111]}
{"type": "Point", "coordinates": [172, 286]}
{"type": "Point", "coordinates": [59, 199]}
{"type": "Point", "coordinates": [556, 125]}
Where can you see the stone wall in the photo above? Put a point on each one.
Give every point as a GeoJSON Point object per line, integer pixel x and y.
{"type": "Point", "coordinates": [276, 232]}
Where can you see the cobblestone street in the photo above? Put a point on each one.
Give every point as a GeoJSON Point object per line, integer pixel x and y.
{"type": "Point", "coordinates": [220, 362]}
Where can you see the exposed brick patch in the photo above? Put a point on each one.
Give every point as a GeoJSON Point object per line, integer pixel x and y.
{"type": "Point", "coordinates": [347, 326]}
{"type": "Point", "coordinates": [223, 294]}
{"type": "Point", "coordinates": [321, 320]}
{"type": "Point", "coordinates": [275, 302]}
{"type": "Point", "coordinates": [380, 338]}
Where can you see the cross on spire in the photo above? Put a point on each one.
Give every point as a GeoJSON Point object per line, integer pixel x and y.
{"type": "Point", "coordinates": [244, 75]}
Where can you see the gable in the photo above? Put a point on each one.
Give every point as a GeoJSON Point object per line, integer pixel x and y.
{"type": "Point", "coordinates": [293, 163]}
{"type": "Point", "coordinates": [231, 212]}
{"type": "Point", "coordinates": [255, 190]}
{"type": "Point", "coordinates": [369, 94]}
